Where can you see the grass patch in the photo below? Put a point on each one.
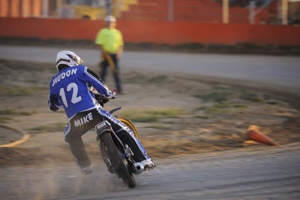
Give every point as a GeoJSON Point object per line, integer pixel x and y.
{"type": "Point", "coordinates": [214, 96]}
{"type": "Point", "coordinates": [160, 79]}
{"type": "Point", "coordinates": [221, 87]}
{"type": "Point", "coordinates": [213, 110]}
{"type": "Point", "coordinates": [240, 105]}
{"type": "Point", "coordinates": [137, 79]}
{"type": "Point", "coordinates": [152, 115]}
{"type": "Point", "coordinates": [218, 108]}
{"type": "Point", "coordinates": [141, 79]}
{"type": "Point", "coordinates": [49, 128]}
{"type": "Point", "coordinates": [202, 116]}
{"type": "Point", "coordinates": [13, 65]}
{"type": "Point", "coordinates": [16, 112]}
{"type": "Point", "coordinates": [250, 96]}
{"type": "Point", "coordinates": [6, 115]}
{"type": "Point", "coordinates": [20, 91]}
{"type": "Point", "coordinates": [4, 119]}
{"type": "Point", "coordinates": [158, 126]}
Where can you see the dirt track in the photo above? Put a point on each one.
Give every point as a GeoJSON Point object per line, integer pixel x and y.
{"type": "Point", "coordinates": [193, 103]}
{"type": "Point", "coordinates": [201, 117]}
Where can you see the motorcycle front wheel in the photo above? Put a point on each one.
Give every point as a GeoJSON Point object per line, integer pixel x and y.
{"type": "Point", "coordinates": [117, 160]}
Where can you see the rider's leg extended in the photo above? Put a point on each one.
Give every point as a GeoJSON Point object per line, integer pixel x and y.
{"type": "Point", "coordinates": [127, 137]}
{"type": "Point", "coordinates": [77, 148]}
{"type": "Point", "coordinates": [73, 136]}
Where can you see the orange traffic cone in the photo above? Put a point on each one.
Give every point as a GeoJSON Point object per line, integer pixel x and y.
{"type": "Point", "coordinates": [255, 134]}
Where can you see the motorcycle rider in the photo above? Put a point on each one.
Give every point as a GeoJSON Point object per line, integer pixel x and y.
{"type": "Point", "coordinates": [70, 89]}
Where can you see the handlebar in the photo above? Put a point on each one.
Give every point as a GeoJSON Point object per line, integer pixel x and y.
{"type": "Point", "coordinates": [102, 99]}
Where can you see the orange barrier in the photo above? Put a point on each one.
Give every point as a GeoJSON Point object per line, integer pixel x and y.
{"type": "Point", "coordinates": [153, 31]}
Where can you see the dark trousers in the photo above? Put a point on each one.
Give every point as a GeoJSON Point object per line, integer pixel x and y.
{"type": "Point", "coordinates": [76, 129]}
{"type": "Point", "coordinates": [111, 61]}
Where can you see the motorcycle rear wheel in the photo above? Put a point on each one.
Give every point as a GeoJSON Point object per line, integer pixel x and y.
{"type": "Point", "coordinates": [118, 162]}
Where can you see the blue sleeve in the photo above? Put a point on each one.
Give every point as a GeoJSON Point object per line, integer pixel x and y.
{"type": "Point", "coordinates": [97, 84]}
{"type": "Point", "coordinates": [53, 102]}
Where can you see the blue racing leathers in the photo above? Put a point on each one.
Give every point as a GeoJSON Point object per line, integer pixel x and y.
{"type": "Point", "coordinates": [71, 89]}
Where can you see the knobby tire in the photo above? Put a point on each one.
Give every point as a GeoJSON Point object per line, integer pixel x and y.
{"type": "Point", "coordinates": [117, 160]}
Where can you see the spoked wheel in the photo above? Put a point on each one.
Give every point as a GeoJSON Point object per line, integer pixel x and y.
{"type": "Point", "coordinates": [116, 160]}
{"type": "Point", "coordinates": [129, 124]}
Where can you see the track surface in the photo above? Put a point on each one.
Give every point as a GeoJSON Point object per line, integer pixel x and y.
{"type": "Point", "coordinates": [269, 173]}
{"type": "Point", "coordinates": [253, 173]}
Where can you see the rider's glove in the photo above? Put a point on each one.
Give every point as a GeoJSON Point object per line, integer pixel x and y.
{"type": "Point", "coordinates": [112, 95]}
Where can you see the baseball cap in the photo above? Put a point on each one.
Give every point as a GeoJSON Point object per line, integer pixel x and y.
{"type": "Point", "coordinates": [110, 18]}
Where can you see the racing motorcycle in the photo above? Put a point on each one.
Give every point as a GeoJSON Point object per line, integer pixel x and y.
{"type": "Point", "coordinates": [117, 156]}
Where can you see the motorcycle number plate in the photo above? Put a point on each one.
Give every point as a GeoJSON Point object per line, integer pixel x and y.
{"type": "Point", "coordinates": [101, 125]}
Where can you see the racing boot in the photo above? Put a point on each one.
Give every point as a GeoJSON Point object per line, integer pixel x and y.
{"type": "Point", "coordinates": [87, 170]}
{"type": "Point", "coordinates": [148, 164]}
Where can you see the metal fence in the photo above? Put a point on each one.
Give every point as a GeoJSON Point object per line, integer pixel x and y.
{"type": "Point", "coordinates": [206, 11]}
{"type": "Point", "coordinates": [215, 11]}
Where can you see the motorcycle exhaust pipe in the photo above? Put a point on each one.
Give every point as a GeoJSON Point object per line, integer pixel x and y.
{"type": "Point", "coordinates": [138, 168]}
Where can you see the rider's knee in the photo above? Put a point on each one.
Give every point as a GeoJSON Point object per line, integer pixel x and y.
{"type": "Point", "coordinates": [72, 137]}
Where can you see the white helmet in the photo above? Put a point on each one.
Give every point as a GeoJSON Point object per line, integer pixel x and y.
{"type": "Point", "coordinates": [110, 18]}
{"type": "Point", "coordinates": [68, 58]}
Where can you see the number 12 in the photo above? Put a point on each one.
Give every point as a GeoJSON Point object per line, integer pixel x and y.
{"type": "Point", "coordinates": [75, 98]}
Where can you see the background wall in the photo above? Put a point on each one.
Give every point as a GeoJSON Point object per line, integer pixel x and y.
{"type": "Point", "coordinates": [153, 31]}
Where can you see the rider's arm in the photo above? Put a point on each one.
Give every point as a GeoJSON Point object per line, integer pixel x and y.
{"type": "Point", "coordinates": [98, 84]}
{"type": "Point", "coordinates": [53, 103]}
{"type": "Point", "coordinates": [94, 74]}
